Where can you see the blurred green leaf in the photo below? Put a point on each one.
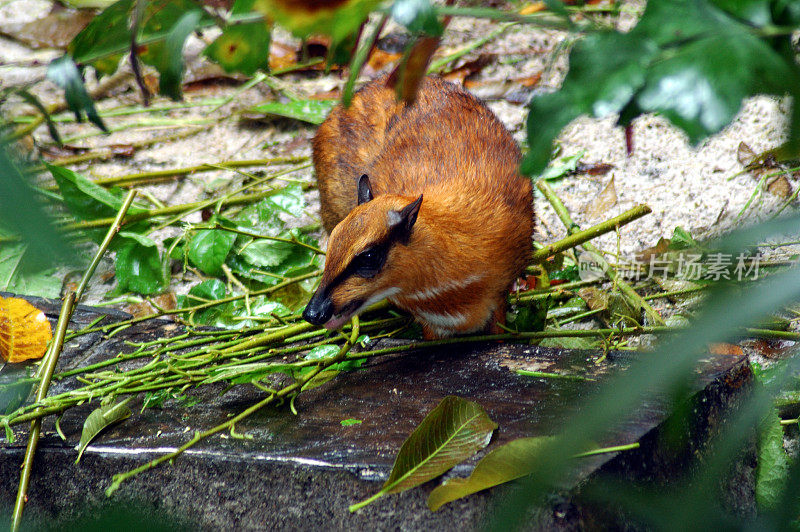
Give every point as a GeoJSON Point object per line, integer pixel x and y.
{"type": "Point", "coordinates": [65, 74]}
{"type": "Point", "coordinates": [108, 33]}
{"type": "Point", "coordinates": [727, 308]}
{"type": "Point", "coordinates": [242, 47]}
{"type": "Point", "coordinates": [16, 385]}
{"type": "Point", "coordinates": [418, 16]}
{"type": "Point", "coordinates": [208, 249]}
{"type": "Point", "coordinates": [686, 59]}
{"type": "Point", "coordinates": [34, 101]}
{"type": "Point", "coordinates": [22, 214]}
{"type": "Point", "coordinates": [773, 462]}
{"type": "Point", "coordinates": [503, 464]}
{"type": "Point", "coordinates": [210, 290]}
{"type": "Point", "coordinates": [306, 17]}
{"type": "Point", "coordinates": [167, 57]}
{"type": "Point", "coordinates": [529, 318]}
{"type": "Point", "coordinates": [311, 111]}
{"type": "Point", "coordinates": [138, 265]}
{"type": "Point", "coordinates": [99, 419]}
{"type": "Point", "coordinates": [349, 422]}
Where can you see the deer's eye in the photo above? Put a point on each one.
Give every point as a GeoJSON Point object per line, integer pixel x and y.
{"type": "Point", "coordinates": [369, 262]}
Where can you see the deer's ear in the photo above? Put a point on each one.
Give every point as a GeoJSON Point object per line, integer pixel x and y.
{"type": "Point", "coordinates": [364, 189]}
{"type": "Point", "coordinates": [403, 221]}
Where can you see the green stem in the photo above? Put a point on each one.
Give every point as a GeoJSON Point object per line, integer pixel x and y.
{"type": "Point", "coordinates": [51, 359]}
{"type": "Point", "coordinates": [545, 375]}
{"type": "Point", "coordinates": [171, 173]}
{"type": "Point", "coordinates": [630, 294]}
{"type": "Point", "coordinates": [578, 238]}
{"type": "Point", "coordinates": [296, 387]}
{"type": "Point", "coordinates": [604, 450]}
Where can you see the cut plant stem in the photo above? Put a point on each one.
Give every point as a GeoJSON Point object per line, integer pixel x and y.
{"type": "Point", "coordinates": [627, 291]}
{"type": "Point", "coordinates": [171, 173]}
{"type": "Point", "coordinates": [293, 388]}
{"type": "Point", "coordinates": [51, 359]}
{"type": "Point", "coordinates": [580, 237]}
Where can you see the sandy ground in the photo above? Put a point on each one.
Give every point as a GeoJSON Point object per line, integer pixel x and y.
{"type": "Point", "coordinates": [696, 188]}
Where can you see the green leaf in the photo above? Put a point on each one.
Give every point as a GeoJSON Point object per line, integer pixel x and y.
{"type": "Point", "coordinates": [773, 463]}
{"type": "Point", "coordinates": [16, 385]}
{"type": "Point", "coordinates": [16, 278]}
{"type": "Point", "coordinates": [108, 33]}
{"type": "Point", "coordinates": [606, 69]}
{"type": "Point", "coordinates": [86, 199]}
{"type": "Point", "coordinates": [529, 318]}
{"type": "Point", "coordinates": [700, 87]}
{"type": "Point", "coordinates": [138, 265]}
{"type": "Point", "coordinates": [452, 432]}
{"type": "Point", "coordinates": [99, 419]}
{"type": "Point", "coordinates": [65, 74]}
{"type": "Point", "coordinates": [208, 249]}
{"type": "Point", "coordinates": [504, 464]}
{"type": "Point", "coordinates": [210, 290]}
{"type": "Point", "coordinates": [242, 48]}
{"type": "Point", "coordinates": [418, 16]}
{"type": "Point", "coordinates": [337, 19]}
{"type": "Point", "coordinates": [22, 214]}
{"type": "Point", "coordinates": [686, 59]}
{"type": "Point", "coordinates": [34, 101]}
{"type": "Point", "coordinates": [167, 57]}
{"type": "Point", "coordinates": [311, 111]}
{"type": "Point", "coordinates": [350, 421]}
{"type": "Point", "coordinates": [558, 169]}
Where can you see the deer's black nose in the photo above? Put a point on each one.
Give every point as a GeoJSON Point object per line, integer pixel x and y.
{"type": "Point", "coordinates": [319, 309]}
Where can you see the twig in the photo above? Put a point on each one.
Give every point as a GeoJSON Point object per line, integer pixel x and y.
{"type": "Point", "coordinates": [293, 388]}
{"type": "Point", "coordinates": [578, 238]}
{"type": "Point", "coordinates": [51, 359]}
{"type": "Point", "coordinates": [635, 299]}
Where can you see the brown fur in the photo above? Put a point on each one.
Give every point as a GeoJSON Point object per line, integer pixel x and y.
{"type": "Point", "coordinates": [472, 236]}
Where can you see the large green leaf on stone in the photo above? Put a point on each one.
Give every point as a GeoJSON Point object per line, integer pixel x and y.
{"type": "Point", "coordinates": [452, 432]}
{"type": "Point", "coordinates": [504, 464]}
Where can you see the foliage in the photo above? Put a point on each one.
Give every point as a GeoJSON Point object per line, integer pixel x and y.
{"type": "Point", "coordinates": [693, 61]}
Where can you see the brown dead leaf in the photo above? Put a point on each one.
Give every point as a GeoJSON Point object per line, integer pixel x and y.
{"type": "Point", "coordinates": [24, 330]}
{"type": "Point", "coordinates": [122, 150]}
{"type": "Point", "coordinates": [780, 187]}
{"type": "Point", "coordinates": [379, 60]}
{"type": "Point", "coordinates": [604, 201]}
{"type": "Point", "coordinates": [745, 154]}
{"type": "Point", "coordinates": [597, 169]}
{"type": "Point", "coordinates": [470, 68]}
{"type": "Point", "coordinates": [594, 297]}
{"type": "Point", "coordinates": [165, 301]}
{"type": "Point", "coordinates": [725, 349]}
{"type": "Point", "coordinates": [661, 247]}
{"type": "Point", "coordinates": [55, 30]}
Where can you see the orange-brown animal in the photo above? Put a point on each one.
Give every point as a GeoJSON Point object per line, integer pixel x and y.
{"type": "Point", "coordinates": [424, 205]}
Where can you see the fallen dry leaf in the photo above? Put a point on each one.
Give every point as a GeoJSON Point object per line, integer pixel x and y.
{"type": "Point", "coordinates": [745, 154]}
{"type": "Point", "coordinates": [24, 330]}
{"type": "Point", "coordinates": [780, 187]}
{"type": "Point", "coordinates": [55, 30]}
{"type": "Point", "coordinates": [725, 349]}
{"type": "Point", "coordinates": [604, 201]}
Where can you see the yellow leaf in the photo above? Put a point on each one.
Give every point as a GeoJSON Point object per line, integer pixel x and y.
{"type": "Point", "coordinates": [24, 330]}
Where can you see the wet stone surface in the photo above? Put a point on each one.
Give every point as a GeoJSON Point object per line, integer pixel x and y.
{"type": "Point", "coordinates": [301, 472]}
